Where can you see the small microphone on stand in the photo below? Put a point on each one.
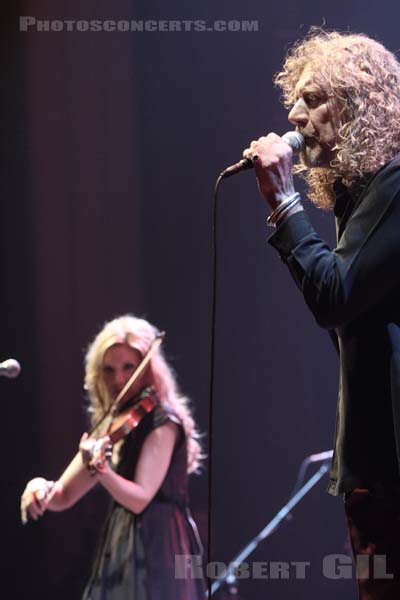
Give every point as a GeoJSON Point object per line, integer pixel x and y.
{"type": "Point", "coordinates": [295, 140]}
{"type": "Point", "coordinates": [10, 368]}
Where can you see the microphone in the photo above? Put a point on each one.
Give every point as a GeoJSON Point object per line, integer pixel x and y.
{"type": "Point", "coordinates": [295, 140]}
{"type": "Point", "coordinates": [10, 368]}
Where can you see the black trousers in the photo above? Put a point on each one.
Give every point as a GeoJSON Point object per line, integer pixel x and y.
{"type": "Point", "coordinates": [373, 518]}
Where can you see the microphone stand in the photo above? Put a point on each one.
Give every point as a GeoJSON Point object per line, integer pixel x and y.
{"type": "Point", "coordinates": [228, 576]}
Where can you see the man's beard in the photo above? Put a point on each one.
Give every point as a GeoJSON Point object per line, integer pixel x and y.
{"type": "Point", "coordinates": [315, 155]}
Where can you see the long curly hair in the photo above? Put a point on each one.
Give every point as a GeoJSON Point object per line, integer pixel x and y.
{"type": "Point", "coordinates": [139, 334]}
{"type": "Point", "coordinates": [364, 78]}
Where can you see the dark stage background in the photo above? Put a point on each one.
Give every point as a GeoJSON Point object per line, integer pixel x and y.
{"type": "Point", "coordinates": [110, 146]}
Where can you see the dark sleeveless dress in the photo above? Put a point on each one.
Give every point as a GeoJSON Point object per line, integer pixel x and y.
{"type": "Point", "coordinates": [136, 554]}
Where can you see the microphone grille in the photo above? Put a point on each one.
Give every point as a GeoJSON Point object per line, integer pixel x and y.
{"type": "Point", "coordinates": [295, 140]}
{"type": "Point", "coordinates": [11, 368]}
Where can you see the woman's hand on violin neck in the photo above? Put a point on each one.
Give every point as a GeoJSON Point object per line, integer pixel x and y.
{"type": "Point", "coordinates": [95, 453]}
{"type": "Point", "coordinates": [36, 498]}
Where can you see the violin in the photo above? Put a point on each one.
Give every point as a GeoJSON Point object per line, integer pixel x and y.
{"type": "Point", "coordinates": [96, 452]}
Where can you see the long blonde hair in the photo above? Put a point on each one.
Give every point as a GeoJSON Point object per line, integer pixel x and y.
{"type": "Point", "coordinates": [364, 77]}
{"type": "Point", "coordinates": [139, 334]}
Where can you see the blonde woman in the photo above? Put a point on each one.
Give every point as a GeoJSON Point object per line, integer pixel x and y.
{"type": "Point", "coordinates": [149, 523]}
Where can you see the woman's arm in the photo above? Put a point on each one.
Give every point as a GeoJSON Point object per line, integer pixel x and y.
{"type": "Point", "coordinates": [75, 482]}
{"type": "Point", "coordinates": [151, 469]}
{"type": "Point", "coordinates": [41, 495]}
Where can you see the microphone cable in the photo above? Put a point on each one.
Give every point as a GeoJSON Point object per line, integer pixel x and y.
{"type": "Point", "coordinates": [214, 267]}
{"type": "Point", "coordinates": [296, 141]}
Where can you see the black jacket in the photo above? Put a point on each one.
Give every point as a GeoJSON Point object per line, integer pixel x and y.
{"type": "Point", "coordinates": [355, 289]}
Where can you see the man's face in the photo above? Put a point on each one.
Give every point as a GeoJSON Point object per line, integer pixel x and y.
{"type": "Point", "coordinates": [316, 115]}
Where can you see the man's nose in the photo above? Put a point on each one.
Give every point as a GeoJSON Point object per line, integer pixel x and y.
{"type": "Point", "coordinates": [298, 116]}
